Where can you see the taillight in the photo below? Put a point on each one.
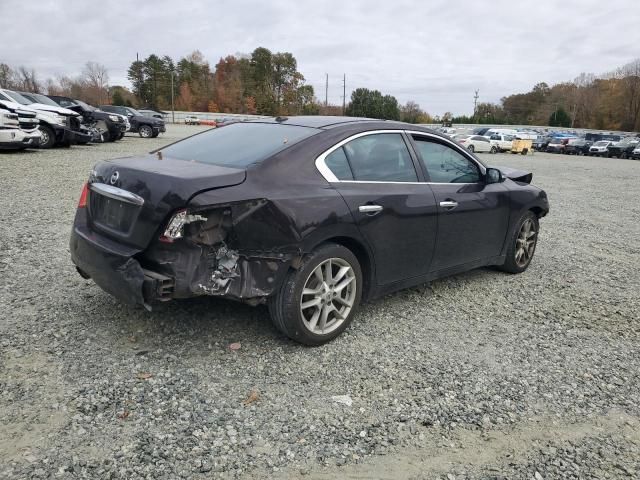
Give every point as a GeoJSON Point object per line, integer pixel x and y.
{"type": "Point", "coordinates": [83, 196]}
{"type": "Point", "coordinates": [175, 227]}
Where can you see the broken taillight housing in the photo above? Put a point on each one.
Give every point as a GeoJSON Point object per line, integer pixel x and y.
{"type": "Point", "coordinates": [175, 227]}
{"type": "Point", "coordinates": [83, 196]}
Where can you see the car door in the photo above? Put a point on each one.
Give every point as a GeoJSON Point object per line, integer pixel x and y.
{"type": "Point", "coordinates": [394, 210]}
{"type": "Point", "coordinates": [473, 216]}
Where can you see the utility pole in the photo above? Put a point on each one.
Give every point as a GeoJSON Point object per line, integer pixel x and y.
{"type": "Point", "coordinates": [326, 90]}
{"type": "Point", "coordinates": [173, 110]}
{"type": "Point", "coordinates": [344, 92]}
{"type": "Point", "coordinates": [475, 103]}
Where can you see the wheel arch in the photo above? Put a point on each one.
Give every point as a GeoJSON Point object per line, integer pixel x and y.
{"type": "Point", "coordinates": [362, 253]}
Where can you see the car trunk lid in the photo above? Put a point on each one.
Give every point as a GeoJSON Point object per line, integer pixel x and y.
{"type": "Point", "coordinates": [131, 198]}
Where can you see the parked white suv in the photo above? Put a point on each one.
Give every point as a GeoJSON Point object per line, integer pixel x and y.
{"type": "Point", "coordinates": [501, 143]}
{"type": "Point", "coordinates": [55, 122]}
{"type": "Point", "coordinates": [12, 137]}
{"type": "Point", "coordinates": [599, 148]}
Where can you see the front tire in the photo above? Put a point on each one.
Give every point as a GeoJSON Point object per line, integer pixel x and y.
{"type": "Point", "coordinates": [48, 138]}
{"type": "Point", "coordinates": [145, 131]}
{"type": "Point", "coordinates": [494, 150]}
{"type": "Point", "coordinates": [317, 302]}
{"type": "Point", "coordinates": [471, 148]}
{"type": "Point", "coordinates": [522, 245]}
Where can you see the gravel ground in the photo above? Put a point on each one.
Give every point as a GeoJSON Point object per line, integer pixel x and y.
{"type": "Point", "coordinates": [483, 375]}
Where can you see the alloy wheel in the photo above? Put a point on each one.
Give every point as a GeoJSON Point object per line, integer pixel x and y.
{"type": "Point", "coordinates": [525, 243]}
{"type": "Point", "coordinates": [145, 131]}
{"type": "Point", "coordinates": [328, 296]}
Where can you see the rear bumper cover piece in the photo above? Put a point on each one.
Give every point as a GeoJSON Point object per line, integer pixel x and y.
{"type": "Point", "coordinates": [111, 266]}
{"type": "Point", "coordinates": [180, 270]}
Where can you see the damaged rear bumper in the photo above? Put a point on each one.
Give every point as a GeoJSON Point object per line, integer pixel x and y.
{"type": "Point", "coordinates": [181, 270]}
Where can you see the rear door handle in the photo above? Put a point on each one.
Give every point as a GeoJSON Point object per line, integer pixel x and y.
{"type": "Point", "coordinates": [370, 209]}
{"type": "Point", "coordinates": [449, 204]}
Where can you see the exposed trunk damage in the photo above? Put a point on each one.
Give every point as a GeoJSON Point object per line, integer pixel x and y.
{"type": "Point", "coordinates": [211, 257]}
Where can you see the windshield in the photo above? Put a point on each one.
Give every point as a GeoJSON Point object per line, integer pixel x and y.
{"type": "Point", "coordinates": [86, 106]}
{"type": "Point", "coordinates": [239, 144]}
{"type": "Point", "coordinates": [17, 97]}
{"type": "Point", "coordinates": [133, 111]}
{"type": "Point", "coordinates": [601, 144]}
{"type": "Point", "coordinates": [43, 99]}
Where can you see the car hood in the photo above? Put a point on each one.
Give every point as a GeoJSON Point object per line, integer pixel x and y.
{"type": "Point", "coordinates": [41, 107]}
{"type": "Point", "coordinates": [516, 175]}
{"type": "Point", "coordinates": [146, 119]}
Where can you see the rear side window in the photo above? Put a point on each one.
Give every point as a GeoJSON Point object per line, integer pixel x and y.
{"type": "Point", "coordinates": [445, 165]}
{"type": "Point", "coordinates": [339, 165]}
{"type": "Point", "coordinates": [381, 157]}
{"type": "Point", "coordinates": [238, 145]}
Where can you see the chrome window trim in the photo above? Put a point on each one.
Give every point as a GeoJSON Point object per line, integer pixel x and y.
{"type": "Point", "coordinates": [116, 193]}
{"type": "Point", "coordinates": [329, 176]}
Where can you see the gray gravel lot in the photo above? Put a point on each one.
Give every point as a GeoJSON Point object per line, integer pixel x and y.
{"type": "Point", "coordinates": [480, 376]}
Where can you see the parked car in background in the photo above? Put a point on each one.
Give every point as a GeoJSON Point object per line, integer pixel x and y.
{"type": "Point", "coordinates": [27, 118]}
{"type": "Point", "coordinates": [12, 137]}
{"type": "Point", "coordinates": [526, 135]}
{"type": "Point", "coordinates": [145, 126]}
{"type": "Point", "coordinates": [191, 120]}
{"type": "Point", "coordinates": [475, 143]}
{"type": "Point", "coordinates": [303, 215]}
{"type": "Point", "coordinates": [624, 148]}
{"type": "Point", "coordinates": [578, 146]}
{"type": "Point", "coordinates": [480, 130]}
{"type": "Point", "coordinates": [596, 137]}
{"type": "Point", "coordinates": [599, 149]}
{"type": "Point", "coordinates": [540, 143]}
{"type": "Point", "coordinates": [54, 123]}
{"type": "Point", "coordinates": [82, 134]}
{"type": "Point", "coordinates": [636, 153]}
{"type": "Point", "coordinates": [110, 126]}
{"type": "Point", "coordinates": [223, 122]}
{"type": "Point", "coordinates": [556, 145]}
{"type": "Point", "coordinates": [500, 131]}
{"type": "Point", "coordinates": [500, 143]}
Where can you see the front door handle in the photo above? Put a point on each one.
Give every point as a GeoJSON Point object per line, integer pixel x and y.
{"type": "Point", "coordinates": [449, 204]}
{"type": "Point", "coordinates": [370, 209]}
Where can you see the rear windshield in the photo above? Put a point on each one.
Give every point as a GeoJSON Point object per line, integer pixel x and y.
{"type": "Point", "coordinates": [239, 144]}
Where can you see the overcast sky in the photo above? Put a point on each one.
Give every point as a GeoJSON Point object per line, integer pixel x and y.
{"type": "Point", "coordinates": [434, 52]}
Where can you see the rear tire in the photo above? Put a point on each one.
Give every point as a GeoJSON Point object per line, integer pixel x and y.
{"type": "Point", "coordinates": [522, 244]}
{"type": "Point", "coordinates": [331, 299]}
{"type": "Point", "coordinates": [525, 151]}
{"type": "Point", "coordinates": [494, 150]}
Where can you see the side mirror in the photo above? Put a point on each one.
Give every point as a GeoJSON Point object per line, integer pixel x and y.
{"type": "Point", "coordinates": [493, 175]}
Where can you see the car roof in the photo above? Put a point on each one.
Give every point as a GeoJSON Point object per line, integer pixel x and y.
{"type": "Point", "coordinates": [314, 121]}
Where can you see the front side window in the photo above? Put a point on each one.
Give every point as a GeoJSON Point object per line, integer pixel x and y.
{"type": "Point", "coordinates": [381, 157]}
{"type": "Point", "coordinates": [446, 165]}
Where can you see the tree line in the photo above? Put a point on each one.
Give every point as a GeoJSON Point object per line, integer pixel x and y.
{"type": "Point", "coordinates": [610, 101]}
{"type": "Point", "coordinates": [269, 83]}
